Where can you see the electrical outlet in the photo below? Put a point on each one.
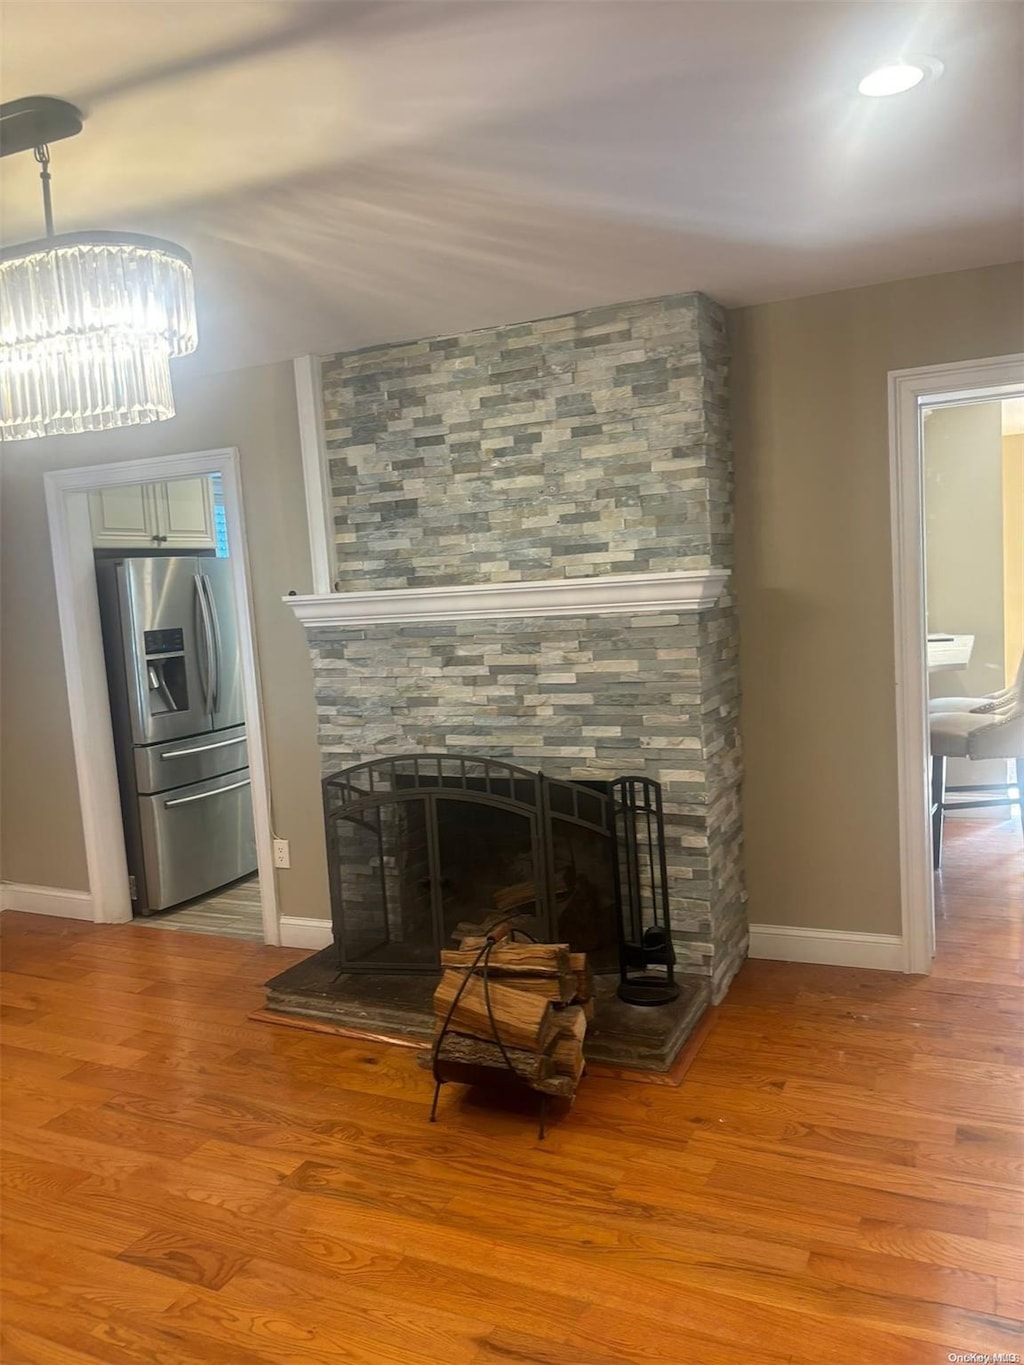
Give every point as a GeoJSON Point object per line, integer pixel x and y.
{"type": "Point", "coordinates": [282, 853]}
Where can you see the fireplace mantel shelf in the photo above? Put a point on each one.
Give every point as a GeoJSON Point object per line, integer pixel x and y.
{"type": "Point", "coordinates": [679, 590]}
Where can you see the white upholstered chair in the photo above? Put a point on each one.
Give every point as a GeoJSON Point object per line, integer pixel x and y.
{"type": "Point", "coordinates": [995, 701]}
{"type": "Point", "coordinates": [977, 728]}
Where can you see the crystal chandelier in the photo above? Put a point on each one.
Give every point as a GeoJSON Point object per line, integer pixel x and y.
{"type": "Point", "coordinates": [89, 321]}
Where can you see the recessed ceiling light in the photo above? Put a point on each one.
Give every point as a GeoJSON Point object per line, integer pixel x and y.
{"type": "Point", "coordinates": [892, 80]}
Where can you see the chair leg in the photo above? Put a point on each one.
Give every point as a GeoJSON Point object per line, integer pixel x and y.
{"type": "Point", "coordinates": [938, 798]}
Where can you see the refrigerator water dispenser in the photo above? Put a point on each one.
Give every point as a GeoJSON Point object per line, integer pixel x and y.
{"type": "Point", "coordinates": [165, 670]}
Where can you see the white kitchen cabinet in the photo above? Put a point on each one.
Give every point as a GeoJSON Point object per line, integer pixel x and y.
{"type": "Point", "coordinates": [123, 517]}
{"type": "Point", "coordinates": [174, 515]}
{"type": "Point", "coordinates": [184, 514]}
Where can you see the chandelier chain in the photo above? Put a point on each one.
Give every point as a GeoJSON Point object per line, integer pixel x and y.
{"type": "Point", "coordinates": [42, 156]}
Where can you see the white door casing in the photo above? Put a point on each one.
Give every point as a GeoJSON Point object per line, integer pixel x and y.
{"type": "Point", "coordinates": [67, 501]}
{"type": "Point", "coordinates": [910, 391]}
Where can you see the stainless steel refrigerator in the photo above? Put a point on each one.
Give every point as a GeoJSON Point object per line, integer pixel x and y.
{"type": "Point", "coordinates": [170, 639]}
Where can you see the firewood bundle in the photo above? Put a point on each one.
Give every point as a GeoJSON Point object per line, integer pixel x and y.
{"type": "Point", "coordinates": [537, 1001]}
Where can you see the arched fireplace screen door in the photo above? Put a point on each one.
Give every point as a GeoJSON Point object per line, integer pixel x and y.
{"type": "Point", "coordinates": [422, 847]}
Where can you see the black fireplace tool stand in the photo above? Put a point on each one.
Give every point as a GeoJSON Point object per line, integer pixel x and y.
{"type": "Point", "coordinates": [638, 821]}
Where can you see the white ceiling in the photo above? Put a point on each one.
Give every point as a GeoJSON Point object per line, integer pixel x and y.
{"type": "Point", "coordinates": [346, 173]}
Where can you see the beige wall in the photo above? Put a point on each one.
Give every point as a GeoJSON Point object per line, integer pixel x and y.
{"type": "Point", "coordinates": [813, 578]}
{"type": "Point", "coordinates": [963, 517]}
{"type": "Point", "coordinates": [42, 832]}
{"type": "Point", "coordinates": [1013, 552]}
{"type": "Point", "coordinates": [963, 505]}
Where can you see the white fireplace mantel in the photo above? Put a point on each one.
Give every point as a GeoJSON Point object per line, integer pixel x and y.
{"type": "Point", "coordinates": [630, 594]}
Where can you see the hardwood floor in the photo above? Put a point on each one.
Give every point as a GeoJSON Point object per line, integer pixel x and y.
{"type": "Point", "coordinates": [837, 1179]}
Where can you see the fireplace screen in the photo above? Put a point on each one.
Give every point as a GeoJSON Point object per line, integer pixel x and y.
{"type": "Point", "coordinates": [423, 848]}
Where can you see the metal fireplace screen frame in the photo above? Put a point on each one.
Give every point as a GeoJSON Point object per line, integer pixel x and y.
{"type": "Point", "coordinates": [626, 814]}
{"type": "Point", "coordinates": [358, 795]}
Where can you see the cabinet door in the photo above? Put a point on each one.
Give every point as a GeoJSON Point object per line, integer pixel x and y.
{"type": "Point", "coordinates": [123, 517]}
{"type": "Point", "coordinates": [184, 514]}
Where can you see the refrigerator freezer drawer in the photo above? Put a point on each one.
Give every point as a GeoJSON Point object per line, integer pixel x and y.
{"type": "Point", "coordinates": [197, 838]}
{"type": "Point", "coordinates": [179, 762]}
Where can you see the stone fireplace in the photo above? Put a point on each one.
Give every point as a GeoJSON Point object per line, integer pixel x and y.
{"type": "Point", "coordinates": [533, 537]}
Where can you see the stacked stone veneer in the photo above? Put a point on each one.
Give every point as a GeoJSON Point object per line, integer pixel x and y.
{"type": "Point", "coordinates": [590, 444]}
{"type": "Point", "coordinates": [576, 446]}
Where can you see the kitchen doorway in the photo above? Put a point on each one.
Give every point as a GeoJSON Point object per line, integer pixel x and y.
{"type": "Point", "coordinates": [72, 497]}
{"type": "Point", "coordinates": [911, 394]}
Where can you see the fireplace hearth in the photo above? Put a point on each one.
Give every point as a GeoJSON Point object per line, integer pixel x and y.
{"type": "Point", "coordinates": [425, 850]}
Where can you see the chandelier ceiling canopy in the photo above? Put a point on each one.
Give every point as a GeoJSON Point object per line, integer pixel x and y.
{"type": "Point", "coordinates": [89, 321]}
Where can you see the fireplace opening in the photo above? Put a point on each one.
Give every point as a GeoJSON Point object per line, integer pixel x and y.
{"type": "Point", "coordinates": [425, 848]}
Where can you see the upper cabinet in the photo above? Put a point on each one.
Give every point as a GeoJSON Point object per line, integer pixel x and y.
{"type": "Point", "coordinates": [123, 517]}
{"type": "Point", "coordinates": [184, 514]}
{"type": "Point", "coordinates": [176, 515]}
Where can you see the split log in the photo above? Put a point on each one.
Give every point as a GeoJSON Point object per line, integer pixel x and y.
{"type": "Point", "coordinates": [571, 1022]}
{"type": "Point", "coordinates": [566, 1051]}
{"type": "Point", "coordinates": [529, 1066]}
{"type": "Point", "coordinates": [512, 897]}
{"type": "Point", "coordinates": [540, 968]}
{"type": "Point", "coordinates": [560, 990]}
{"type": "Point", "coordinates": [567, 1057]}
{"type": "Point", "coordinates": [475, 933]}
{"type": "Point", "coordinates": [522, 1020]}
{"type": "Point", "coordinates": [459, 1062]}
{"type": "Point", "coordinates": [584, 976]}
{"type": "Point", "coordinates": [524, 893]}
{"type": "Point", "coordinates": [472, 943]}
{"type": "Point", "coordinates": [562, 1086]}
{"type": "Point", "coordinates": [511, 959]}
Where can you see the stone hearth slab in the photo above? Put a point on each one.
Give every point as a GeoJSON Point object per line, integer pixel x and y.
{"type": "Point", "coordinates": [633, 1037]}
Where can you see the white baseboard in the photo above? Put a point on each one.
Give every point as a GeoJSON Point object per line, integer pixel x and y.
{"type": "Point", "coordinates": [45, 900]}
{"type": "Point", "coordinates": [827, 947]}
{"type": "Point", "coordinates": [305, 933]}
{"type": "Point", "coordinates": [777, 942]}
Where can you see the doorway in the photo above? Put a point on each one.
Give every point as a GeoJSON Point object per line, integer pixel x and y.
{"type": "Point", "coordinates": [912, 393]}
{"type": "Point", "coordinates": [71, 497]}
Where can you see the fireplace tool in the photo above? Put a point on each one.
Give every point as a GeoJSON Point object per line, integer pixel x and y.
{"type": "Point", "coordinates": [647, 958]}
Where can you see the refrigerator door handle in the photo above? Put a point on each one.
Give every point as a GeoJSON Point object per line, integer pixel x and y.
{"type": "Point", "coordinates": [215, 629]}
{"type": "Point", "coordinates": [203, 748]}
{"type": "Point", "coordinates": [205, 660]}
{"type": "Point", "coordinates": [205, 796]}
